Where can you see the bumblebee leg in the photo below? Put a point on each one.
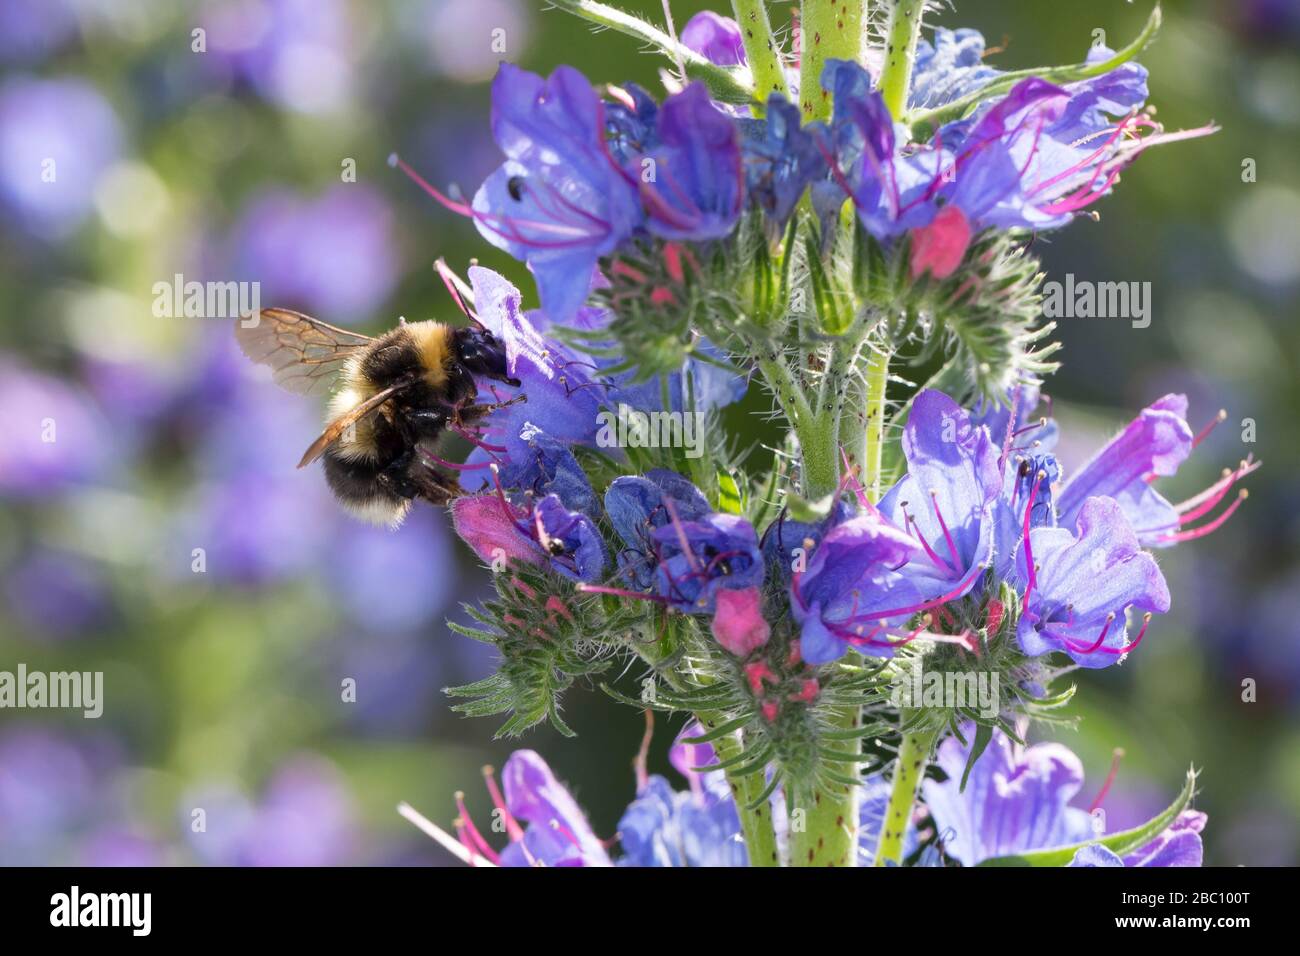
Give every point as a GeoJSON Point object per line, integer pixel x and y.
{"type": "Point", "coordinates": [470, 414]}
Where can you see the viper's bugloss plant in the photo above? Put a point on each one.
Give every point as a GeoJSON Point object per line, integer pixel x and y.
{"type": "Point", "coordinates": [908, 574]}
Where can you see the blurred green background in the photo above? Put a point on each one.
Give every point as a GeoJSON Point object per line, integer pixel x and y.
{"type": "Point", "coordinates": [164, 537]}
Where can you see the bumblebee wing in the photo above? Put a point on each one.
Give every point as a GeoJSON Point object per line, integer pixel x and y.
{"type": "Point", "coordinates": [335, 429]}
{"type": "Point", "coordinates": [305, 355]}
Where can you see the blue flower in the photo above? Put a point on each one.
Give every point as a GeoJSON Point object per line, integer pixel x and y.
{"type": "Point", "coordinates": [638, 506]}
{"type": "Point", "coordinates": [781, 159]}
{"type": "Point", "coordinates": [559, 202]}
{"type": "Point", "coordinates": [692, 180]}
{"type": "Point", "coordinates": [1153, 445]}
{"type": "Point", "coordinates": [950, 68]}
{"type": "Point", "coordinates": [1179, 845]}
{"type": "Point", "coordinates": [1079, 587]}
{"type": "Point", "coordinates": [716, 38]}
{"type": "Point", "coordinates": [546, 534]}
{"type": "Point", "coordinates": [1018, 800]}
{"type": "Point", "coordinates": [558, 833]}
{"type": "Point", "coordinates": [853, 592]}
{"type": "Point", "coordinates": [946, 498]}
{"type": "Point", "coordinates": [696, 559]}
{"type": "Point", "coordinates": [889, 188]}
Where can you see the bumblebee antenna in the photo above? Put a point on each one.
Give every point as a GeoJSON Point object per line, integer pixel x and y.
{"type": "Point", "coordinates": [460, 291]}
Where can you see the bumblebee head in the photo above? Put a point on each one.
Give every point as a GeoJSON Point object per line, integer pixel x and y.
{"type": "Point", "coordinates": [482, 354]}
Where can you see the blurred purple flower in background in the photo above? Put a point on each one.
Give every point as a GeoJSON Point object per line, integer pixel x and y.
{"type": "Point", "coordinates": [468, 39]}
{"type": "Point", "coordinates": [57, 137]}
{"type": "Point", "coordinates": [54, 435]}
{"type": "Point", "coordinates": [304, 818]}
{"type": "Point", "coordinates": [56, 594]}
{"type": "Point", "coordinates": [32, 30]}
{"type": "Point", "coordinates": [334, 255]}
{"type": "Point", "coordinates": [47, 784]}
{"type": "Point", "coordinates": [296, 53]}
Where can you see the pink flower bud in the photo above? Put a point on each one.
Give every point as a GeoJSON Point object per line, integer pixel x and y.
{"type": "Point", "coordinates": [738, 622]}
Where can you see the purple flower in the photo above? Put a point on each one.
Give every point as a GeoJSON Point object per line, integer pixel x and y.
{"type": "Point", "coordinates": [413, 566]}
{"type": "Point", "coordinates": [692, 180]}
{"type": "Point", "coordinates": [546, 534]}
{"type": "Point", "coordinates": [305, 817]}
{"type": "Point", "coordinates": [716, 38]}
{"type": "Point", "coordinates": [47, 782]}
{"type": "Point", "coordinates": [57, 137]}
{"type": "Point", "coordinates": [119, 846]}
{"type": "Point", "coordinates": [950, 68]}
{"type": "Point", "coordinates": [1080, 587]}
{"type": "Point", "coordinates": [785, 540]}
{"type": "Point", "coordinates": [946, 498]}
{"type": "Point", "coordinates": [334, 255]}
{"type": "Point", "coordinates": [1016, 799]}
{"type": "Point", "coordinates": [57, 595]}
{"type": "Point", "coordinates": [32, 30]}
{"type": "Point", "coordinates": [889, 188]}
{"type": "Point", "coordinates": [697, 559]}
{"type": "Point", "coordinates": [297, 53]}
{"type": "Point", "coordinates": [54, 436]}
{"type": "Point", "coordinates": [558, 833]}
{"type": "Point", "coordinates": [853, 591]}
{"type": "Point", "coordinates": [558, 202]}
{"type": "Point", "coordinates": [638, 507]}
{"type": "Point", "coordinates": [563, 396]}
{"type": "Point", "coordinates": [1152, 446]}
{"type": "Point", "coordinates": [1179, 845]}
{"type": "Point", "coordinates": [781, 159]}
{"type": "Point", "coordinates": [696, 827]}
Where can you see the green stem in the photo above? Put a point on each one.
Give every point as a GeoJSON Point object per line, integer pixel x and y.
{"type": "Point", "coordinates": [760, 49]}
{"type": "Point", "coordinates": [913, 755]}
{"type": "Point", "coordinates": [824, 823]}
{"type": "Point", "coordinates": [900, 53]}
{"type": "Point", "coordinates": [756, 824]}
{"type": "Point", "coordinates": [828, 30]}
{"type": "Point", "coordinates": [877, 381]}
{"type": "Point", "coordinates": [727, 84]}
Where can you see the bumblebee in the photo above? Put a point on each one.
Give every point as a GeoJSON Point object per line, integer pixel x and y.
{"type": "Point", "coordinates": [396, 396]}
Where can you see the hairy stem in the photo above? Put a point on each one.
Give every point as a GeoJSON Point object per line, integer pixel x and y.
{"type": "Point", "coordinates": [828, 30]}
{"type": "Point", "coordinates": [760, 49]}
{"type": "Point", "coordinates": [900, 53]}
{"type": "Point", "coordinates": [727, 84]}
{"type": "Point", "coordinates": [824, 822]}
{"type": "Point", "coordinates": [877, 381]}
{"type": "Point", "coordinates": [756, 824]}
{"type": "Point", "coordinates": [913, 755]}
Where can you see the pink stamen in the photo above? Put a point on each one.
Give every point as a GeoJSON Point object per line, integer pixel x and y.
{"type": "Point", "coordinates": [924, 605]}
{"type": "Point", "coordinates": [1110, 619]}
{"type": "Point", "coordinates": [925, 545]}
{"type": "Point", "coordinates": [1029, 551]}
{"type": "Point", "coordinates": [1116, 756]}
{"type": "Point", "coordinates": [952, 547]}
{"type": "Point", "coordinates": [1203, 530]}
{"type": "Point", "coordinates": [476, 842]}
{"type": "Point", "coordinates": [513, 829]}
{"type": "Point", "coordinates": [622, 592]}
{"type": "Point", "coordinates": [1213, 423]}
